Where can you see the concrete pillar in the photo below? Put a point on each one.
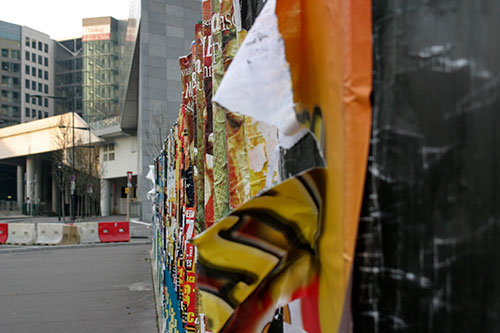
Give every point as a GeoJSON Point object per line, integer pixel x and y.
{"type": "Point", "coordinates": [30, 177]}
{"type": "Point", "coordinates": [55, 190]}
{"type": "Point", "coordinates": [20, 187]}
{"type": "Point", "coordinates": [38, 181]}
{"type": "Point", "coordinates": [105, 197]}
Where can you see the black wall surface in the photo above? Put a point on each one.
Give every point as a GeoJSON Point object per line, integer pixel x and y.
{"type": "Point", "coordinates": [428, 249]}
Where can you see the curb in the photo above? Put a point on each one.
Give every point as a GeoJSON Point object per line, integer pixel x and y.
{"type": "Point", "coordinates": [76, 246]}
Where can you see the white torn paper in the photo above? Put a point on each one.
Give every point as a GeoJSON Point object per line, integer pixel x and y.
{"type": "Point", "coordinates": [258, 82]}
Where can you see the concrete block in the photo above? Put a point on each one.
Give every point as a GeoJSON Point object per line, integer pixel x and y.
{"type": "Point", "coordinates": [70, 235]}
{"type": "Point", "coordinates": [21, 233]}
{"type": "Point", "coordinates": [49, 233]}
{"type": "Point", "coordinates": [89, 232]}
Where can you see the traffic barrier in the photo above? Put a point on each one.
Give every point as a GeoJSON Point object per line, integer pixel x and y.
{"type": "Point", "coordinates": [114, 232]}
{"type": "Point", "coordinates": [89, 232]}
{"type": "Point", "coordinates": [57, 234]}
{"type": "Point", "coordinates": [70, 235]}
{"type": "Point", "coordinates": [49, 233]}
{"type": "Point", "coordinates": [21, 233]}
{"type": "Point", "coordinates": [4, 232]}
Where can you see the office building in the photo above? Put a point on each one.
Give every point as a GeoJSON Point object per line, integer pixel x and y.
{"type": "Point", "coordinates": [68, 76]}
{"type": "Point", "coordinates": [37, 75]}
{"type": "Point", "coordinates": [10, 73]}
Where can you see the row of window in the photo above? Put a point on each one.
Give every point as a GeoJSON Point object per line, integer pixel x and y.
{"type": "Point", "coordinates": [41, 46]}
{"type": "Point", "coordinates": [34, 85]}
{"type": "Point", "coordinates": [33, 113]}
{"type": "Point", "coordinates": [41, 60]}
{"type": "Point", "coordinates": [41, 73]}
{"type": "Point", "coordinates": [98, 92]}
{"type": "Point", "coordinates": [7, 53]}
{"type": "Point", "coordinates": [33, 100]}
{"type": "Point", "coordinates": [10, 96]}
{"type": "Point", "coordinates": [10, 111]}
{"type": "Point", "coordinates": [10, 67]}
{"type": "Point", "coordinates": [10, 82]}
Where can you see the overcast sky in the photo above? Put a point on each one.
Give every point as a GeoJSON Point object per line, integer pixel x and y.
{"type": "Point", "coordinates": [60, 19]}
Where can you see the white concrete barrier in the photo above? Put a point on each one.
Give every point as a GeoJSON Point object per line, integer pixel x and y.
{"type": "Point", "coordinates": [89, 232]}
{"type": "Point", "coordinates": [49, 233]}
{"type": "Point", "coordinates": [21, 233]}
{"type": "Point", "coordinates": [70, 235]}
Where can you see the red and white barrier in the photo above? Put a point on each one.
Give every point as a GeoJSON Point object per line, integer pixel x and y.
{"type": "Point", "coordinates": [4, 232]}
{"type": "Point", "coordinates": [114, 232]}
{"type": "Point", "coordinates": [62, 234]}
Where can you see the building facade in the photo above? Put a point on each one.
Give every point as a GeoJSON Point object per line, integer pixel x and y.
{"type": "Point", "coordinates": [37, 75]}
{"type": "Point", "coordinates": [10, 73]}
{"type": "Point", "coordinates": [68, 76]}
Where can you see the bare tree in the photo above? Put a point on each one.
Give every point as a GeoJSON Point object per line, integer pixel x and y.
{"type": "Point", "coordinates": [85, 167]}
{"type": "Point", "coordinates": [62, 140]}
{"type": "Point", "coordinates": [157, 132]}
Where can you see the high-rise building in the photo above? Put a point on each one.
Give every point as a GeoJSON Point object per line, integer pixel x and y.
{"type": "Point", "coordinates": [27, 74]}
{"type": "Point", "coordinates": [68, 76]}
{"type": "Point", "coordinates": [10, 73]}
{"type": "Point", "coordinates": [37, 75]}
{"type": "Point", "coordinates": [102, 46]}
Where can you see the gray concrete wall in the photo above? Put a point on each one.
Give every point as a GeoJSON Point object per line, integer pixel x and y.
{"type": "Point", "coordinates": [166, 33]}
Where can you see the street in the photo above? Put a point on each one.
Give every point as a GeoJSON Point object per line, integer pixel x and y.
{"type": "Point", "coordinates": [96, 289]}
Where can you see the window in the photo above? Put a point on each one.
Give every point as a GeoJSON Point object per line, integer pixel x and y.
{"type": "Point", "coordinates": [46, 75]}
{"type": "Point", "coordinates": [46, 114]}
{"type": "Point", "coordinates": [27, 69]}
{"type": "Point", "coordinates": [39, 114]}
{"type": "Point", "coordinates": [109, 154]}
{"type": "Point", "coordinates": [27, 100]}
{"type": "Point", "coordinates": [33, 43]}
{"type": "Point", "coordinates": [39, 87]}
{"type": "Point", "coordinates": [15, 81]}
{"type": "Point", "coordinates": [46, 61]}
{"type": "Point", "coordinates": [33, 71]}
{"type": "Point", "coordinates": [27, 114]}
{"type": "Point", "coordinates": [27, 84]}
{"type": "Point", "coordinates": [33, 57]}
{"type": "Point", "coordinates": [14, 54]}
{"type": "Point", "coordinates": [5, 66]}
{"type": "Point", "coordinates": [27, 41]}
{"type": "Point", "coordinates": [15, 68]}
{"type": "Point", "coordinates": [33, 85]}
{"type": "Point", "coordinates": [5, 53]}
{"type": "Point", "coordinates": [40, 59]}
{"type": "Point", "coordinates": [5, 79]}
{"type": "Point", "coordinates": [33, 113]}
{"type": "Point", "coordinates": [39, 46]}
{"type": "Point", "coordinates": [46, 102]}
{"type": "Point", "coordinates": [46, 48]}
{"type": "Point", "coordinates": [40, 73]}
{"type": "Point", "coordinates": [46, 88]}
{"type": "Point", "coordinates": [15, 95]}
{"type": "Point", "coordinates": [40, 101]}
